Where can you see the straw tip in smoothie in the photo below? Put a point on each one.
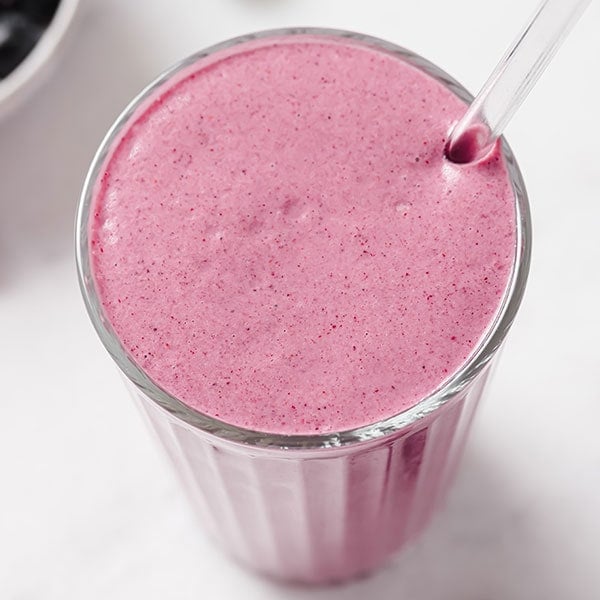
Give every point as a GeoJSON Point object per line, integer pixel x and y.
{"type": "Point", "coordinates": [469, 146]}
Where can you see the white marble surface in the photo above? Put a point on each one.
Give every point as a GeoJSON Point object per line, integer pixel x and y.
{"type": "Point", "coordinates": [88, 506]}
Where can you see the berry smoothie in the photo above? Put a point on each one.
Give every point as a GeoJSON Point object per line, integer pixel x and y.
{"type": "Point", "coordinates": [304, 294]}
{"type": "Point", "coordinates": [278, 241]}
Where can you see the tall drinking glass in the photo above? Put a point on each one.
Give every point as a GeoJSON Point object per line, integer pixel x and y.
{"type": "Point", "coordinates": [314, 508]}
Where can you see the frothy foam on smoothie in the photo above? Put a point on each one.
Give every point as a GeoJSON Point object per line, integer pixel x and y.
{"type": "Point", "coordinates": [279, 242]}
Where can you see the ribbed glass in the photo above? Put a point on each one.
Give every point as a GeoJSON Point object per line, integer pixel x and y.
{"type": "Point", "coordinates": [318, 515]}
{"type": "Point", "coordinates": [314, 508]}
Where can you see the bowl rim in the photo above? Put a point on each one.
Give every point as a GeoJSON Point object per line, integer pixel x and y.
{"type": "Point", "coordinates": [28, 70]}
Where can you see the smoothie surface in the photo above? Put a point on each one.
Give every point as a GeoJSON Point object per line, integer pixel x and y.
{"type": "Point", "coordinates": [278, 241]}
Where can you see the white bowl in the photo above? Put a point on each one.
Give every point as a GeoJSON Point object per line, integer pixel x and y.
{"type": "Point", "coordinates": [30, 73]}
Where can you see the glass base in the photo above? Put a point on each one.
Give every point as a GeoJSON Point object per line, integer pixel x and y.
{"type": "Point", "coordinates": [321, 515]}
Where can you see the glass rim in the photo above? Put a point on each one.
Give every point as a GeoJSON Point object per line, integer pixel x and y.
{"type": "Point", "coordinates": [478, 359]}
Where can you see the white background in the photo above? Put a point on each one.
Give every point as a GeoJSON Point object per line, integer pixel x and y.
{"type": "Point", "coordinates": [88, 507]}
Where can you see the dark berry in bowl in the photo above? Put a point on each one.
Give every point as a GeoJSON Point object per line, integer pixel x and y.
{"type": "Point", "coordinates": [18, 36]}
{"type": "Point", "coordinates": [25, 59]}
{"type": "Point", "coordinates": [38, 11]}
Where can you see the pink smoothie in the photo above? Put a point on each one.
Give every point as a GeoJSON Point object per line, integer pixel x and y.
{"type": "Point", "coordinates": [279, 242]}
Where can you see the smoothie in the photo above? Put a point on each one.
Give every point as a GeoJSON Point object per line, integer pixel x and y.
{"type": "Point", "coordinates": [279, 242]}
{"type": "Point", "coordinates": [275, 238]}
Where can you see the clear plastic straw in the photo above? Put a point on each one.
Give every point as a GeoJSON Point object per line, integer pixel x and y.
{"type": "Point", "coordinates": [512, 79]}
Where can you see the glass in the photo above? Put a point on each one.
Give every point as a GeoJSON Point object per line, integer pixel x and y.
{"type": "Point", "coordinates": [314, 508]}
